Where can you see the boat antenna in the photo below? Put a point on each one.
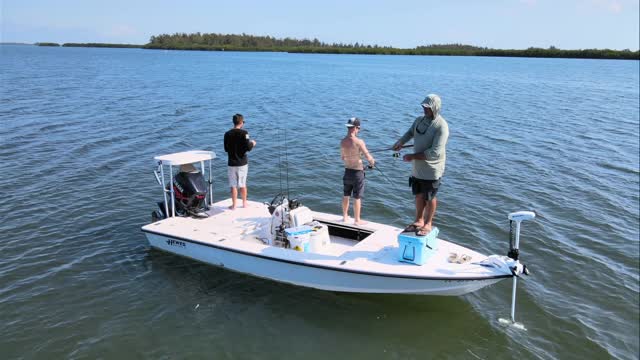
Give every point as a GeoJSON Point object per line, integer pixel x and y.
{"type": "Point", "coordinates": [280, 159]}
{"type": "Point", "coordinates": [286, 160]}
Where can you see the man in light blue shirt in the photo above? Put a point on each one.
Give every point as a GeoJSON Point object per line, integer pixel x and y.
{"type": "Point", "coordinates": [430, 134]}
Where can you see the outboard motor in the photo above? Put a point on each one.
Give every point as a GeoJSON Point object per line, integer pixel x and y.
{"type": "Point", "coordinates": [190, 190]}
{"type": "Point", "coordinates": [185, 193]}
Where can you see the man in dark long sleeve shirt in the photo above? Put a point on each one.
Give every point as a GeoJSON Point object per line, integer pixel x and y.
{"type": "Point", "coordinates": [237, 143]}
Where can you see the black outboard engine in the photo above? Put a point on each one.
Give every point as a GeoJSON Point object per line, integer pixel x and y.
{"type": "Point", "coordinates": [191, 191]}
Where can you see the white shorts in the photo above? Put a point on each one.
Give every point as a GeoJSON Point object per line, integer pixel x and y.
{"type": "Point", "coordinates": [238, 176]}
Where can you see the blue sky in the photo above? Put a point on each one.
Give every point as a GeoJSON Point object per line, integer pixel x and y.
{"type": "Point", "coordinates": [513, 24]}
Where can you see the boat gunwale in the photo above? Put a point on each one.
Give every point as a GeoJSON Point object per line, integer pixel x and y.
{"type": "Point", "coordinates": [299, 263]}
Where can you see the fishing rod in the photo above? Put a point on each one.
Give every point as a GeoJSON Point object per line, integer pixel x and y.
{"type": "Point", "coordinates": [280, 159]}
{"type": "Point", "coordinates": [286, 160]}
{"type": "Point", "coordinates": [366, 167]}
{"type": "Point", "coordinates": [388, 149]}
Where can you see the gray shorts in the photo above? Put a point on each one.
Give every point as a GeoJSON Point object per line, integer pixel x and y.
{"type": "Point", "coordinates": [353, 181]}
{"type": "Point", "coordinates": [237, 176]}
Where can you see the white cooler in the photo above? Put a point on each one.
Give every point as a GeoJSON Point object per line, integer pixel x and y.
{"type": "Point", "coordinates": [319, 238]}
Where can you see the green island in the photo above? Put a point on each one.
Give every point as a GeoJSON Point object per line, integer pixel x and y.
{"type": "Point", "coordinates": [244, 42]}
{"type": "Point", "coordinates": [47, 44]}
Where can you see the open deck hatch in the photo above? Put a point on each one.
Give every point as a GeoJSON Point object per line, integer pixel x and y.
{"type": "Point", "coordinates": [346, 231]}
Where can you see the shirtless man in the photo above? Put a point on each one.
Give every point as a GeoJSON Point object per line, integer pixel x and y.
{"type": "Point", "coordinates": [352, 148]}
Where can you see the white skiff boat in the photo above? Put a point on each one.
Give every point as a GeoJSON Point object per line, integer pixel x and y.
{"type": "Point", "coordinates": [350, 258]}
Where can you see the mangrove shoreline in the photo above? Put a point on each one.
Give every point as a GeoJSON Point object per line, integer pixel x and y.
{"type": "Point", "coordinates": [243, 42]}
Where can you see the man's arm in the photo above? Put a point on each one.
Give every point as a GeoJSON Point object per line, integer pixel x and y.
{"type": "Point", "coordinates": [249, 144]}
{"type": "Point", "coordinates": [437, 147]}
{"type": "Point", "coordinates": [363, 149]}
{"type": "Point", "coordinates": [226, 143]}
{"type": "Point", "coordinates": [406, 137]}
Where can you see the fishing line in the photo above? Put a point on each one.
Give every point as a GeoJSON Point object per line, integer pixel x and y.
{"type": "Point", "coordinates": [385, 176]}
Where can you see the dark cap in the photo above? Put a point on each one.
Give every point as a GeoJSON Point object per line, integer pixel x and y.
{"type": "Point", "coordinates": [353, 122]}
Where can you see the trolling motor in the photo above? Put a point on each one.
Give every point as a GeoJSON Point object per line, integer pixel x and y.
{"type": "Point", "coordinates": [514, 234]}
{"type": "Point", "coordinates": [514, 252]}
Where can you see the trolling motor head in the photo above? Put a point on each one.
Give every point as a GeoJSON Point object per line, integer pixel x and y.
{"type": "Point", "coordinates": [514, 234]}
{"type": "Point", "coordinates": [521, 216]}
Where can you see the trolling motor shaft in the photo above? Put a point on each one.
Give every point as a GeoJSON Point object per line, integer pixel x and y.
{"type": "Point", "coordinates": [514, 251]}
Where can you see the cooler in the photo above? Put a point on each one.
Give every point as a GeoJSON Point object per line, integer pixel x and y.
{"type": "Point", "coordinates": [299, 237]}
{"type": "Point", "coordinates": [319, 237]}
{"type": "Point", "coordinates": [416, 249]}
{"type": "Point", "coordinates": [300, 216]}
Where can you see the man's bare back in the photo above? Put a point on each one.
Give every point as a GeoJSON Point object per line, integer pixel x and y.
{"type": "Point", "coordinates": [352, 150]}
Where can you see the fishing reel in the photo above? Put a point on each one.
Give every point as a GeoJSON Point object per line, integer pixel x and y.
{"type": "Point", "coordinates": [277, 200]}
{"type": "Point", "coordinates": [396, 154]}
{"type": "Point", "coordinates": [294, 204]}
{"type": "Point", "coordinates": [281, 199]}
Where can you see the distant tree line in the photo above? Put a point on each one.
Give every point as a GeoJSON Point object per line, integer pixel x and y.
{"type": "Point", "coordinates": [201, 41]}
{"type": "Point", "coordinates": [244, 42]}
{"type": "Point", "coordinates": [47, 44]}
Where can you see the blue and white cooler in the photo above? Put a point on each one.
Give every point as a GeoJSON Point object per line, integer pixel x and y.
{"type": "Point", "coordinates": [416, 249]}
{"type": "Point", "coordinates": [299, 237]}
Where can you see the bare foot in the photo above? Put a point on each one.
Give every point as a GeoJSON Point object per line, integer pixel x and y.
{"type": "Point", "coordinates": [232, 207]}
{"type": "Point", "coordinates": [345, 219]}
{"type": "Point", "coordinates": [244, 205]}
{"type": "Point", "coordinates": [360, 222]}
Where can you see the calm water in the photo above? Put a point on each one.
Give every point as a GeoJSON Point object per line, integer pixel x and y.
{"type": "Point", "coordinates": [80, 128]}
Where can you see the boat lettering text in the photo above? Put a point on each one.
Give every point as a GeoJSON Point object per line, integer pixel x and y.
{"type": "Point", "coordinates": [179, 243]}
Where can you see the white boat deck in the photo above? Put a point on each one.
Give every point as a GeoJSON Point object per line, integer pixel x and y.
{"type": "Point", "coordinates": [239, 230]}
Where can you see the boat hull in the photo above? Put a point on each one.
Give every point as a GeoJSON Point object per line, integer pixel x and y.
{"type": "Point", "coordinates": [317, 277]}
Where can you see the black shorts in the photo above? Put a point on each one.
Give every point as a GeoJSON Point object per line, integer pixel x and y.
{"type": "Point", "coordinates": [353, 181]}
{"type": "Point", "coordinates": [428, 188]}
